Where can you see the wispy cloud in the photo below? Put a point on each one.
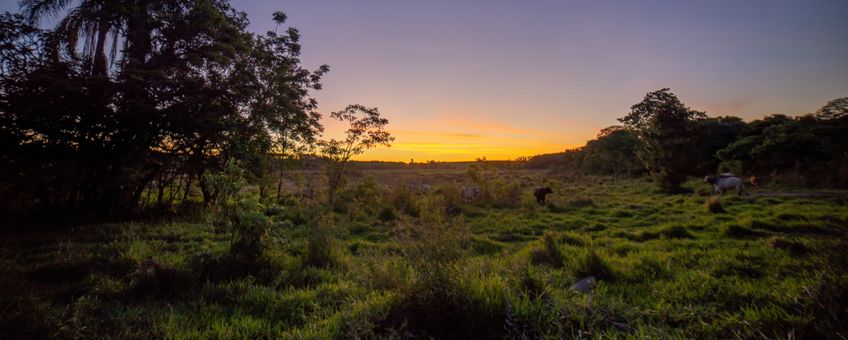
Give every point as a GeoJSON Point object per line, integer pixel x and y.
{"type": "Point", "coordinates": [438, 134]}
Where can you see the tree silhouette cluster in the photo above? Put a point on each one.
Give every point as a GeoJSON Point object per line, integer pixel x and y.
{"type": "Point", "coordinates": [124, 96]}
{"type": "Point", "coordinates": [670, 142]}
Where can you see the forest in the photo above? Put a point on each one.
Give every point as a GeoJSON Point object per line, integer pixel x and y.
{"type": "Point", "coordinates": [165, 175]}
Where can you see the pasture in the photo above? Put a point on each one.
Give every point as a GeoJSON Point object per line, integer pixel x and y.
{"type": "Point", "coordinates": [388, 261]}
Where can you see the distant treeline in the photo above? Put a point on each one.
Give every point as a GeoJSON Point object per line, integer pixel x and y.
{"type": "Point", "coordinates": [663, 138]}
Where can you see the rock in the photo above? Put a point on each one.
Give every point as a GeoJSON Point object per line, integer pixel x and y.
{"type": "Point", "coordinates": [584, 285]}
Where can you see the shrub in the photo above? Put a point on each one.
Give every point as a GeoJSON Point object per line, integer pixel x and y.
{"type": "Point", "coordinates": [403, 200]}
{"type": "Point", "coordinates": [713, 205]}
{"type": "Point", "coordinates": [251, 228]}
{"type": "Point", "coordinates": [321, 245]}
{"type": "Point", "coordinates": [505, 194]}
{"type": "Point", "coordinates": [452, 202]}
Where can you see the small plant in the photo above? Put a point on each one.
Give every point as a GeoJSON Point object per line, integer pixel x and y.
{"type": "Point", "coordinates": [713, 205]}
{"type": "Point", "coordinates": [251, 229]}
{"type": "Point", "coordinates": [321, 244]}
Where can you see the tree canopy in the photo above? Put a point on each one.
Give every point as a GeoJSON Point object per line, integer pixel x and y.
{"type": "Point", "coordinates": [122, 94]}
{"type": "Point", "coordinates": [664, 126]}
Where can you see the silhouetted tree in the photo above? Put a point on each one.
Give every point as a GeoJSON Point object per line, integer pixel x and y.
{"type": "Point", "coordinates": [191, 90]}
{"type": "Point", "coordinates": [664, 127]}
{"type": "Point", "coordinates": [367, 130]}
{"type": "Point", "coordinates": [834, 109]}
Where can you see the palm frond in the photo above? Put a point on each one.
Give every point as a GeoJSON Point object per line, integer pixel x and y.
{"type": "Point", "coordinates": [35, 10]}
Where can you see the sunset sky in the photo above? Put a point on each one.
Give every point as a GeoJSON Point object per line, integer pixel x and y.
{"type": "Point", "coordinates": [502, 79]}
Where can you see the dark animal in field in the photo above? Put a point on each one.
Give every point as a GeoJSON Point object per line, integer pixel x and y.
{"type": "Point", "coordinates": [722, 183]}
{"type": "Point", "coordinates": [754, 181]}
{"type": "Point", "coordinates": [540, 194]}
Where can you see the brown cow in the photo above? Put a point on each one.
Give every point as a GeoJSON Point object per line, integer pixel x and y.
{"type": "Point", "coordinates": [754, 181]}
{"type": "Point", "coordinates": [540, 194]}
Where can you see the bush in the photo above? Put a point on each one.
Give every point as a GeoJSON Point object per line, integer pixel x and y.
{"type": "Point", "coordinates": [505, 194]}
{"type": "Point", "coordinates": [402, 199]}
{"type": "Point", "coordinates": [322, 249]}
{"type": "Point", "coordinates": [251, 229]}
{"type": "Point", "coordinates": [451, 199]}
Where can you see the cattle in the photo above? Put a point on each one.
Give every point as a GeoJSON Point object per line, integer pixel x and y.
{"type": "Point", "coordinates": [722, 183]}
{"type": "Point", "coordinates": [471, 193]}
{"type": "Point", "coordinates": [420, 188]}
{"type": "Point", "coordinates": [540, 194]}
{"type": "Point", "coordinates": [754, 181]}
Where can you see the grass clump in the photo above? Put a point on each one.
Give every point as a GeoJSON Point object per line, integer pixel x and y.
{"type": "Point", "coordinates": [322, 248]}
{"type": "Point", "coordinates": [734, 230]}
{"type": "Point", "coordinates": [548, 253]}
{"type": "Point", "coordinates": [667, 232]}
{"type": "Point", "coordinates": [387, 214]}
{"type": "Point", "coordinates": [153, 278]}
{"type": "Point", "coordinates": [437, 304]}
{"type": "Point", "coordinates": [592, 264]}
{"type": "Point", "coordinates": [795, 248]}
{"type": "Point", "coordinates": [713, 205]}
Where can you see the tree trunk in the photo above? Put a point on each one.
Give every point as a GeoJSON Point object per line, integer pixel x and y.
{"type": "Point", "coordinates": [99, 65]}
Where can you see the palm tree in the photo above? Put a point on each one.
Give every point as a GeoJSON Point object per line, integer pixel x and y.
{"type": "Point", "coordinates": [92, 22]}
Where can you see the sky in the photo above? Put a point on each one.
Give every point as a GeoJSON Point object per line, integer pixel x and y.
{"type": "Point", "coordinates": [460, 80]}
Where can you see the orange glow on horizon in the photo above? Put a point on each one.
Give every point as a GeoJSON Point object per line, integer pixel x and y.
{"type": "Point", "coordinates": [459, 136]}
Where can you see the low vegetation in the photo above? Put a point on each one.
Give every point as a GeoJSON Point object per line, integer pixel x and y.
{"type": "Point", "coordinates": [769, 266]}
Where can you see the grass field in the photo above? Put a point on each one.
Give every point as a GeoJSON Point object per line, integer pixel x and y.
{"type": "Point", "coordinates": [389, 262]}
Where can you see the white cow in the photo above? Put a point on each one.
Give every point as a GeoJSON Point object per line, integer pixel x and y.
{"type": "Point", "coordinates": [471, 193]}
{"type": "Point", "coordinates": [419, 188]}
{"type": "Point", "coordinates": [722, 183]}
